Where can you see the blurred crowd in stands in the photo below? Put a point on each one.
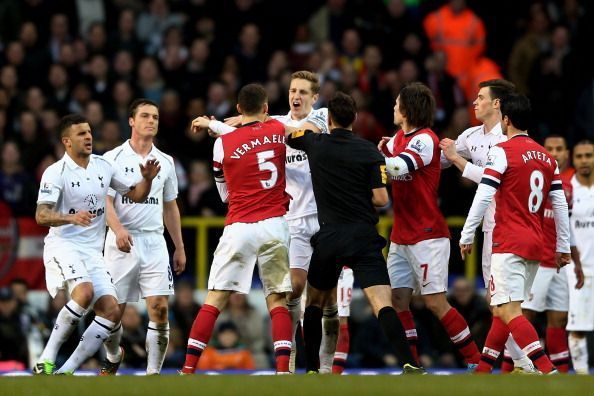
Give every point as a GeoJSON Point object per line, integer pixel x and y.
{"type": "Point", "coordinates": [191, 56]}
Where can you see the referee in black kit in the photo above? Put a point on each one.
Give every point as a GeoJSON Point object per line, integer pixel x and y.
{"type": "Point", "coordinates": [349, 177]}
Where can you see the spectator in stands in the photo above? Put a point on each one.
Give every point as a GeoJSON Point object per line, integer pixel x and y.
{"type": "Point", "coordinates": [473, 307]}
{"type": "Point", "coordinates": [133, 338]}
{"type": "Point", "coordinates": [457, 31]}
{"type": "Point", "coordinates": [201, 197]}
{"type": "Point", "coordinates": [226, 352]}
{"type": "Point", "coordinates": [184, 309]}
{"type": "Point", "coordinates": [17, 187]}
{"type": "Point", "coordinates": [13, 335]}
{"type": "Point", "coordinates": [251, 327]}
{"type": "Point", "coordinates": [528, 48]}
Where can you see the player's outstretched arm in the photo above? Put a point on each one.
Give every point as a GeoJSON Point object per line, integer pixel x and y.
{"type": "Point", "coordinates": [45, 215]}
{"type": "Point", "coordinates": [124, 240]}
{"type": "Point", "coordinates": [149, 171]}
{"type": "Point", "coordinates": [172, 220]}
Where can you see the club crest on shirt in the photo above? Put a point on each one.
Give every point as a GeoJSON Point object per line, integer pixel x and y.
{"type": "Point", "coordinates": [491, 160]}
{"type": "Point", "coordinates": [418, 145]}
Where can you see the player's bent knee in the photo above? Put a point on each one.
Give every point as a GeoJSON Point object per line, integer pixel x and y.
{"type": "Point", "coordinates": [107, 307]}
{"type": "Point", "coordinates": [83, 294]}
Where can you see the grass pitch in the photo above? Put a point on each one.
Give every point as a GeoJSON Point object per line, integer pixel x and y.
{"type": "Point", "coordinates": [319, 385]}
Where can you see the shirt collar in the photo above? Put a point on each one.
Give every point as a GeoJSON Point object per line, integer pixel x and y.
{"type": "Point", "coordinates": [411, 132]}
{"type": "Point", "coordinates": [73, 165]}
{"type": "Point", "coordinates": [129, 151]}
{"type": "Point", "coordinates": [496, 130]}
{"type": "Point", "coordinates": [304, 118]}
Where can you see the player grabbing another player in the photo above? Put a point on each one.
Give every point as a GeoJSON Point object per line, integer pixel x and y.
{"type": "Point", "coordinates": [249, 168]}
{"type": "Point", "coordinates": [71, 202]}
{"type": "Point", "coordinates": [420, 246]}
{"type": "Point", "coordinates": [469, 154]}
{"type": "Point", "coordinates": [348, 178]}
{"type": "Point", "coordinates": [135, 249]}
{"type": "Point", "coordinates": [302, 215]}
{"type": "Point", "coordinates": [523, 175]}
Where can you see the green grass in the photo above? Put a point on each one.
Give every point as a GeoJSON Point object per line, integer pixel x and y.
{"type": "Point", "coordinates": [319, 385]}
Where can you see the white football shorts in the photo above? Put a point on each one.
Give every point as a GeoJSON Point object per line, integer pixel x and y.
{"type": "Point", "coordinates": [67, 265]}
{"type": "Point", "coordinates": [144, 272]}
{"type": "Point", "coordinates": [422, 267]}
{"type": "Point", "coordinates": [580, 316]}
{"type": "Point", "coordinates": [301, 230]}
{"type": "Point", "coordinates": [549, 291]}
{"type": "Point", "coordinates": [242, 246]}
{"type": "Point", "coordinates": [511, 278]}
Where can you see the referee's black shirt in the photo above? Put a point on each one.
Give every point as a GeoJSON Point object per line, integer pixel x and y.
{"type": "Point", "coordinates": [344, 170]}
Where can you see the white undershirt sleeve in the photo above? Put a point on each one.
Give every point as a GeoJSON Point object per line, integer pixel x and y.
{"type": "Point", "coordinates": [217, 168]}
{"type": "Point", "coordinates": [473, 172]}
{"type": "Point", "coordinates": [220, 127]}
{"type": "Point", "coordinates": [561, 213]}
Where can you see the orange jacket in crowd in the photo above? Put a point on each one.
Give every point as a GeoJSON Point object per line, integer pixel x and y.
{"type": "Point", "coordinates": [226, 359]}
{"type": "Point", "coordinates": [461, 36]}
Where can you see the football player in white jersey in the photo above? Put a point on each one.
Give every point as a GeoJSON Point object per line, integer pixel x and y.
{"type": "Point", "coordinates": [135, 249]}
{"type": "Point", "coordinates": [469, 154]}
{"type": "Point", "coordinates": [71, 202]}
{"type": "Point", "coordinates": [581, 309]}
{"type": "Point", "coordinates": [302, 214]}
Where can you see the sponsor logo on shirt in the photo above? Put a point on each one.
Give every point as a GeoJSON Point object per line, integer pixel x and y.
{"type": "Point", "coordinates": [148, 201]}
{"type": "Point", "coordinates": [296, 158]}
{"type": "Point", "coordinates": [405, 178]}
{"type": "Point", "coordinates": [584, 224]}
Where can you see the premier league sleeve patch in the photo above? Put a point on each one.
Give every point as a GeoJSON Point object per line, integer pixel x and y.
{"type": "Point", "coordinates": [418, 146]}
{"type": "Point", "coordinates": [46, 188]}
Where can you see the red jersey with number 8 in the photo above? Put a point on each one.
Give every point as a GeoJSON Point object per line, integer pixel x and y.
{"type": "Point", "coordinates": [251, 161]}
{"type": "Point", "coordinates": [524, 173]}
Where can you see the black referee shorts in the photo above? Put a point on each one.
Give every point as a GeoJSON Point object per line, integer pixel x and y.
{"type": "Point", "coordinates": [357, 246]}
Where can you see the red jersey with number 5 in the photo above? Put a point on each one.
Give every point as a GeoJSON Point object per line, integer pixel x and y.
{"type": "Point", "coordinates": [524, 173]}
{"type": "Point", "coordinates": [251, 161]}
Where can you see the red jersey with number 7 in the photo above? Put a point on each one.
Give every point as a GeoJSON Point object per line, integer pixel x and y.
{"type": "Point", "coordinates": [524, 173]}
{"type": "Point", "coordinates": [251, 161]}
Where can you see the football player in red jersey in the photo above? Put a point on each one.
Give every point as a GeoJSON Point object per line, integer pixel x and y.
{"type": "Point", "coordinates": [523, 175]}
{"type": "Point", "coordinates": [420, 246]}
{"type": "Point", "coordinates": [249, 168]}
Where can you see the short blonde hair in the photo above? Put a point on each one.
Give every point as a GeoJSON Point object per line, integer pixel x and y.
{"type": "Point", "coordinates": [309, 76]}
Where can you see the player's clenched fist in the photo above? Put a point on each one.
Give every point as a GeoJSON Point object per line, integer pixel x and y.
{"type": "Point", "coordinates": [150, 169]}
{"type": "Point", "coordinates": [200, 123]}
{"type": "Point", "coordinates": [124, 240]}
{"type": "Point", "coordinates": [448, 146]}
{"type": "Point", "coordinates": [82, 218]}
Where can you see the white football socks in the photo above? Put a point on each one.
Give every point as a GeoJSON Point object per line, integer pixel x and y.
{"type": "Point", "coordinates": [66, 322]}
{"type": "Point", "coordinates": [90, 342]}
{"type": "Point", "coordinates": [157, 339]}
